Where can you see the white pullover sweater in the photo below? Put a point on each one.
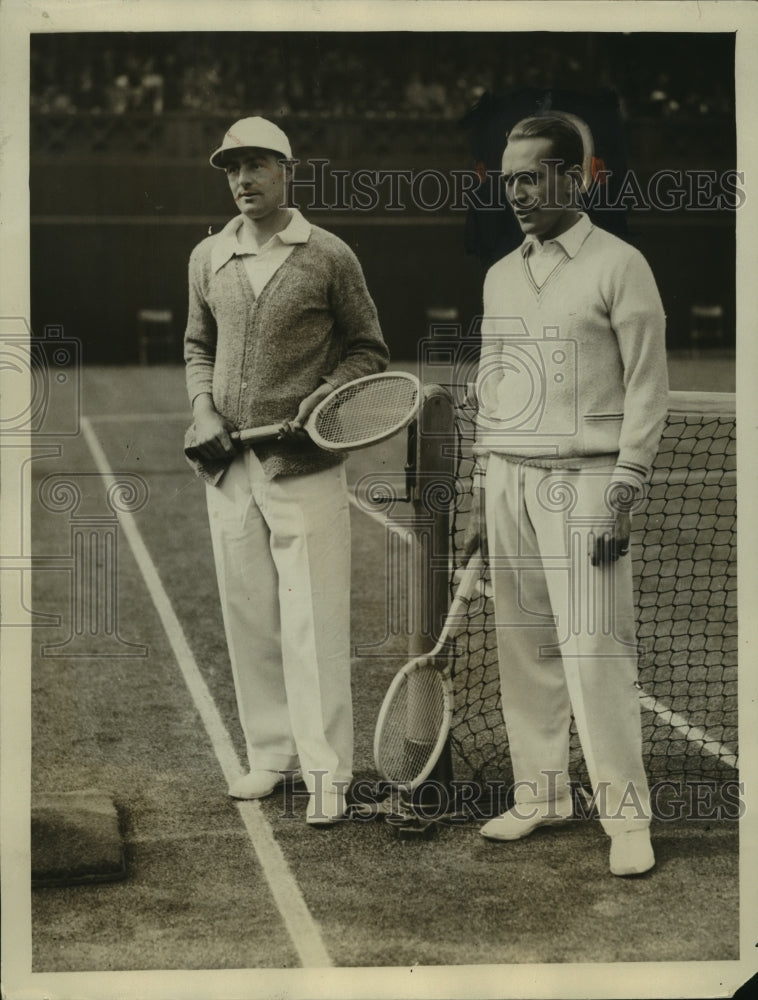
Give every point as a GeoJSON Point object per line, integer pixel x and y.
{"type": "Point", "coordinates": [573, 373]}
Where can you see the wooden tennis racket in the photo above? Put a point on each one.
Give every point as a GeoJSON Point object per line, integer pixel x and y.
{"type": "Point", "coordinates": [355, 415]}
{"type": "Point", "coordinates": [414, 720]}
{"type": "Point", "coordinates": [358, 414]}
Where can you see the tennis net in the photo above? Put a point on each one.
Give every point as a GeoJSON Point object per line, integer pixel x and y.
{"type": "Point", "coordinates": [684, 560]}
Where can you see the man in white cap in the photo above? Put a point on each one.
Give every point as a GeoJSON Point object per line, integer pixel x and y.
{"type": "Point", "coordinates": [279, 315]}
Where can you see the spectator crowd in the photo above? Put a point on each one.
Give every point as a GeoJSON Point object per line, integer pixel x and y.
{"type": "Point", "coordinates": [404, 73]}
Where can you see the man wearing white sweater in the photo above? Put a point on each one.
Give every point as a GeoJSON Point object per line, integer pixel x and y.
{"type": "Point", "coordinates": [572, 393]}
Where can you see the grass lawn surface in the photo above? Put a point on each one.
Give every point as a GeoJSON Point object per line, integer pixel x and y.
{"type": "Point", "coordinates": [195, 896]}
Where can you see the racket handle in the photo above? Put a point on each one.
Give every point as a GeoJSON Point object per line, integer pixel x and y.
{"type": "Point", "coordinates": [467, 584]}
{"type": "Point", "coordinates": [268, 433]}
{"type": "Point", "coordinates": [469, 579]}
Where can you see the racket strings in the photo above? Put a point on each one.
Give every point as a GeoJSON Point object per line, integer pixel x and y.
{"type": "Point", "coordinates": [367, 410]}
{"type": "Point", "coordinates": [413, 721]}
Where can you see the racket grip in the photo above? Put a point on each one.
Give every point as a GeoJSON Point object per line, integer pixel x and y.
{"type": "Point", "coordinates": [469, 578]}
{"type": "Point", "coordinates": [268, 433]}
{"type": "Point", "coordinates": [467, 584]}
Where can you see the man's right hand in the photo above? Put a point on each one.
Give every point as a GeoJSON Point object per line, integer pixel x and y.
{"type": "Point", "coordinates": [212, 431]}
{"type": "Point", "coordinates": [475, 536]}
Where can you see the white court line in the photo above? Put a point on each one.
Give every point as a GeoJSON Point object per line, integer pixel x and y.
{"type": "Point", "coordinates": [695, 734]}
{"type": "Point", "coordinates": [302, 928]}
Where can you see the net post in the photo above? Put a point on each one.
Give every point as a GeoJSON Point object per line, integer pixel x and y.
{"type": "Point", "coordinates": [432, 499]}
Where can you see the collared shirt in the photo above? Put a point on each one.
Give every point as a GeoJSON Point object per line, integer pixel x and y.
{"type": "Point", "coordinates": [261, 262]}
{"type": "Point", "coordinates": [260, 356]}
{"type": "Point", "coordinates": [542, 258]}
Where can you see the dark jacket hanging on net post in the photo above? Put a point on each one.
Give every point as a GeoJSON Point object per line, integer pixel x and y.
{"type": "Point", "coordinates": [491, 228]}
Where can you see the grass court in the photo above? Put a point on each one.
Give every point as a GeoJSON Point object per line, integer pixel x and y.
{"type": "Point", "coordinates": [217, 885]}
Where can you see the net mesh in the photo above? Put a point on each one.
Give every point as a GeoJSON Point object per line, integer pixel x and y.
{"type": "Point", "coordinates": [416, 709]}
{"type": "Point", "coordinates": [366, 411]}
{"type": "Point", "coordinates": [684, 560]}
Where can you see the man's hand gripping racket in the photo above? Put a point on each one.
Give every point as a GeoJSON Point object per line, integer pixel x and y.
{"type": "Point", "coordinates": [414, 720]}
{"type": "Point", "coordinates": [355, 415]}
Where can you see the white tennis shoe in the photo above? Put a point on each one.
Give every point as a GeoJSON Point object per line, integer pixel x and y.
{"type": "Point", "coordinates": [519, 822]}
{"type": "Point", "coordinates": [258, 784]}
{"type": "Point", "coordinates": [631, 853]}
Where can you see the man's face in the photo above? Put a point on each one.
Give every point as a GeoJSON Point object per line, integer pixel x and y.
{"type": "Point", "coordinates": [538, 193]}
{"type": "Point", "coordinates": [257, 182]}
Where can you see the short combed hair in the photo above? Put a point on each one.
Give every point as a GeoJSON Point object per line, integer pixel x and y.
{"type": "Point", "coordinates": [567, 145]}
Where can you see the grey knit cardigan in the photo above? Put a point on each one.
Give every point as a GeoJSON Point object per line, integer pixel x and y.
{"type": "Point", "coordinates": [314, 321]}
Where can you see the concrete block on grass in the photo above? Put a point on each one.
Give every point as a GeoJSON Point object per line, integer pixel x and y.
{"type": "Point", "coordinates": [75, 839]}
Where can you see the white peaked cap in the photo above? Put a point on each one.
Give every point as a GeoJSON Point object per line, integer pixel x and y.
{"type": "Point", "coordinates": [250, 133]}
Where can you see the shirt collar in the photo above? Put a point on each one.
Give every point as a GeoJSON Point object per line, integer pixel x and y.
{"type": "Point", "coordinates": [298, 230]}
{"type": "Point", "coordinates": [570, 242]}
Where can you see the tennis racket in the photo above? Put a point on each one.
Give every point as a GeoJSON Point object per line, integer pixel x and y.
{"type": "Point", "coordinates": [356, 415]}
{"type": "Point", "coordinates": [414, 720]}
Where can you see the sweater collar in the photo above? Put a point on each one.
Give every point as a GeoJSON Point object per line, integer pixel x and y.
{"type": "Point", "coordinates": [570, 242]}
{"type": "Point", "coordinates": [227, 245]}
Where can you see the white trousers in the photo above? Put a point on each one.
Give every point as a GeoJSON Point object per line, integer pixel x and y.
{"type": "Point", "coordinates": [282, 554]}
{"type": "Point", "coordinates": [566, 639]}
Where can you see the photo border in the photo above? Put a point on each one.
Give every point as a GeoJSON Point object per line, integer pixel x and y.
{"type": "Point", "coordinates": [658, 979]}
